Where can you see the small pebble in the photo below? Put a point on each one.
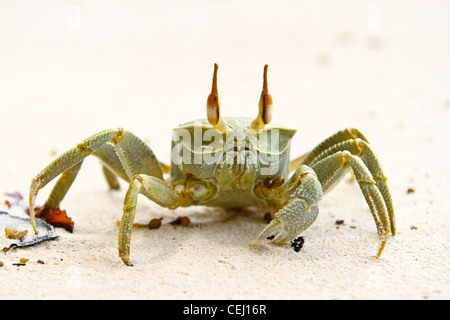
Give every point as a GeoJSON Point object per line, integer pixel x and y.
{"type": "Point", "coordinates": [155, 223]}
{"type": "Point", "coordinates": [181, 221]}
{"type": "Point", "coordinates": [297, 244]}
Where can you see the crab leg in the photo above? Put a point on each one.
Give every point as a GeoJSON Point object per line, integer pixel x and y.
{"type": "Point", "coordinates": [343, 135]}
{"type": "Point", "coordinates": [333, 167]}
{"type": "Point", "coordinates": [363, 150]}
{"type": "Point", "coordinates": [111, 178]}
{"type": "Point", "coordinates": [111, 167]}
{"type": "Point", "coordinates": [154, 189]}
{"type": "Point", "coordinates": [353, 140]}
{"type": "Point", "coordinates": [62, 186]}
{"type": "Point", "coordinates": [66, 161]}
{"type": "Point", "coordinates": [135, 157]}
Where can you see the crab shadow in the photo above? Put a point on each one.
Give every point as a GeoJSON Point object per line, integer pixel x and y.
{"type": "Point", "coordinates": [223, 227]}
{"type": "Point", "coordinates": [210, 229]}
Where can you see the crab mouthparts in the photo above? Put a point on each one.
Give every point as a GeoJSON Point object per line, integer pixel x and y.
{"type": "Point", "coordinates": [239, 149]}
{"type": "Point", "coordinates": [239, 146]}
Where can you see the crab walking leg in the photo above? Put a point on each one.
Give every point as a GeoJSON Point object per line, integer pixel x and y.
{"type": "Point", "coordinates": [331, 168]}
{"type": "Point", "coordinates": [121, 152]}
{"type": "Point", "coordinates": [66, 161]}
{"type": "Point", "coordinates": [110, 161]}
{"type": "Point", "coordinates": [111, 178]}
{"type": "Point", "coordinates": [112, 168]}
{"type": "Point", "coordinates": [154, 189]}
{"type": "Point", "coordinates": [136, 156]}
{"type": "Point", "coordinates": [107, 154]}
{"type": "Point", "coordinates": [343, 135]}
{"type": "Point", "coordinates": [300, 212]}
{"type": "Point", "coordinates": [363, 150]}
{"type": "Point", "coordinates": [62, 186]}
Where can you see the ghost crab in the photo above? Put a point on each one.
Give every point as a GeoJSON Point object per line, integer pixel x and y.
{"type": "Point", "coordinates": [231, 162]}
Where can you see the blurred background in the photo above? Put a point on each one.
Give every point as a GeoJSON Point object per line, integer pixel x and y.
{"type": "Point", "coordinates": [69, 69]}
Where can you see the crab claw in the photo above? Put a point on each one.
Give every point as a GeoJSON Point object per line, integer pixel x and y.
{"type": "Point", "coordinates": [272, 232]}
{"type": "Point", "coordinates": [298, 214]}
{"type": "Point", "coordinates": [286, 227]}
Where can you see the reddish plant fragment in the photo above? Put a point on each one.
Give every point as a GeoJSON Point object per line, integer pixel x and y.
{"type": "Point", "coordinates": [56, 217]}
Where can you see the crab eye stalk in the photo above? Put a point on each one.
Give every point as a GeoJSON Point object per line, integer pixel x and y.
{"type": "Point", "coordinates": [265, 106]}
{"type": "Point", "coordinates": [213, 106]}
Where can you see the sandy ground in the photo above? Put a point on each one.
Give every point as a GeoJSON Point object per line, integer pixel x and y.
{"type": "Point", "coordinates": [71, 68]}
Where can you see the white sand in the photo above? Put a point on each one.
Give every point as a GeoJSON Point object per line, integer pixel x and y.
{"type": "Point", "coordinates": [70, 69]}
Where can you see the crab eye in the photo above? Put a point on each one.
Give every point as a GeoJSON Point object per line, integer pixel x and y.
{"type": "Point", "coordinates": [213, 106]}
{"type": "Point", "coordinates": [213, 102]}
{"type": "Point", "coordinates": [265, 106]}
